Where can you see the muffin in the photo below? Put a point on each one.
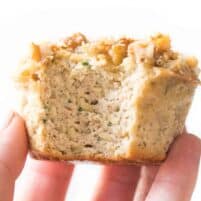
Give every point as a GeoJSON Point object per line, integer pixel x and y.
{"type": "Point", "coordinates": [109, 100]}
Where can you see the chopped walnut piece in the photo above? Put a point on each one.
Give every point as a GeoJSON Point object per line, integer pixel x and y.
{"type": "Point", "coordinates": [35, 52]}
{"type": "Point", "coordinates": [126, 41]}
{"type": "Point", "coordinates": [54, 48]}
{"type": "Point", "coordinates": [162, 59]}
{"type": "Point", "coordinates": [142, 52]}
{"type": "Point", "coordinates": [118, 52]}
{"type": "Point", "coordinates": [161, 42]}
{"type": "Point", "coordinates": [35, 77]}
{"type": "Point", "coordinates": [100, 47]}
{"type": "Point", "coordinates": [191, 62]}
{"type": "Point", "coordinates": [75, 40]}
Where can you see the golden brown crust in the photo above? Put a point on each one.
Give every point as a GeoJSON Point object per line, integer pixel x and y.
{"type": "Point", "coordinates": [100, 160]}
{"type": "Point", "coordinates": [190, 80]}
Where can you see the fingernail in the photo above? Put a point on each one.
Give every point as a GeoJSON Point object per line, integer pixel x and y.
{"type": "Point", "coordinates": [8, 118]}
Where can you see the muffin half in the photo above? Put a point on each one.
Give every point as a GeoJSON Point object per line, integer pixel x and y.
{"type": "Point", "coordinates": [111, 100]}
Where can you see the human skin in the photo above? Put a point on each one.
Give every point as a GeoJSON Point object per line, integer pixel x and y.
{"type": "Point", "coordinates": [173, 180]}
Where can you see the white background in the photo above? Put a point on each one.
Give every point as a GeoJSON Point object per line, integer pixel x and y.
{"type": "Point", "coordinates": [25, 21]}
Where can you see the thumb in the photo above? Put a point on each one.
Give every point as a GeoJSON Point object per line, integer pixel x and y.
{"type": "Point", "coordinates": [13, 150]}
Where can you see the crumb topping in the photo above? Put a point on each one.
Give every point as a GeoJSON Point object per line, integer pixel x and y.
{"type": "Point", "coordinates": [116, 55]}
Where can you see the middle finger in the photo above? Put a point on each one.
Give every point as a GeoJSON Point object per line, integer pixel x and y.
{"type": "Point", "coordinates": [44, 180]}
{"type": "Point", "coordinates": [117, 183]}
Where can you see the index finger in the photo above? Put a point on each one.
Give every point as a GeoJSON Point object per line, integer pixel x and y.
{"type": "Point", "coordinates": [177, 175]}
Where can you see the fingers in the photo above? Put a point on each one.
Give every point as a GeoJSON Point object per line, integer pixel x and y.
{"type": "Point", "coordinates": [147, 176]}
{"type": "Point", "coordinates": [177, 176]}
{"type": "Point", "coordinates": [13, 150]}
{"type": "Point", "coordinates": [7, 121]}
{"type": "Point", "coordinates": [44, 180]}
{"type": "Point", "coordinates": [117, 183]}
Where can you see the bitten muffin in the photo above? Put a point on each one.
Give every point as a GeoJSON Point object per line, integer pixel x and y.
{"type": "Point", "coordinates": [110, 100]}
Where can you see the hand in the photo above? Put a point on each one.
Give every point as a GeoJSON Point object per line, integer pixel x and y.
{"type": "Point", "coordinates": [46, 180]}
